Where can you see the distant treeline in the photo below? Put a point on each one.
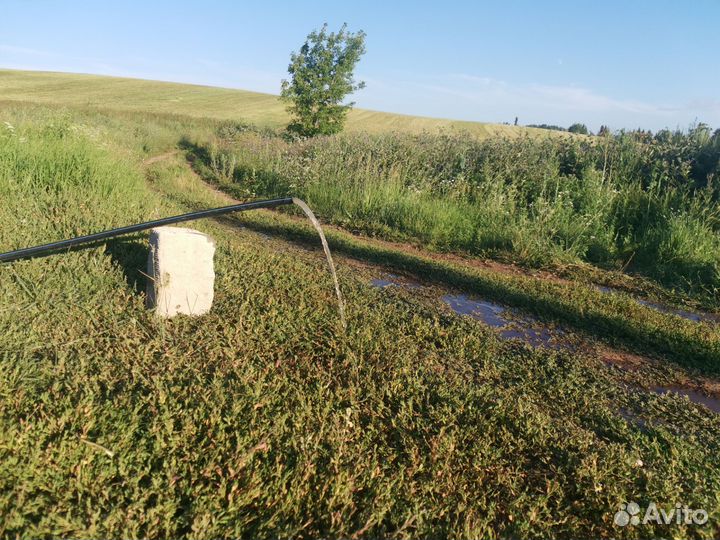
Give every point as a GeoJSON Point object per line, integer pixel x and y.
{"type": "Point", "coordinates": [574, 128]}
{"type": "Point", "coordinates": [645, 135]}
{"type": "Point", "coordinates": [547, 126]}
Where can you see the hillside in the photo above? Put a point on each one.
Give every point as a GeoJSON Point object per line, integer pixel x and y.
{"type": "Point", "coordinates": [206, 101]}
{"type": "Point", "coordinates": [465, 397]}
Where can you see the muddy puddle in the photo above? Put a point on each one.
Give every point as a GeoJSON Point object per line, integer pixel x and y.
{"type": "Point", "coordinates": [695, 396]}
{"type": "Point", "coordinates": [391, 280]}
{"type": "Point", "coordinates": [507, 322]}
{"type": "Point", "coordinates": [662, 308]}
{"type": "Point", "coordinates": [633, 363]}
{"type": "Point", "coordinates": [511, 324]}
{"type": "Point", "coordinates": [689, 315]}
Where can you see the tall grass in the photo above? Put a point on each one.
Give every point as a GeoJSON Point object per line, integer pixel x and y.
{"type": "Point", "coordinates": [617, 202]}
{"type": "Point", "coordinates": [56, 181]}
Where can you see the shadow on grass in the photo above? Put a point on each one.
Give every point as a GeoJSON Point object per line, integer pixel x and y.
{"type": "Point", "coordinates": [131, 255]}
{"type": "Point", "coordinates": [675, 347]}
{"type": "Point", "coordinates": [696, 278]}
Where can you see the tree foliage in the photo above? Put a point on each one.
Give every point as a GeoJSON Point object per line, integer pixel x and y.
{"type": "Point", "coordinates": [321, 76]}
{"type": "Point", "coordinates": [578, 128]}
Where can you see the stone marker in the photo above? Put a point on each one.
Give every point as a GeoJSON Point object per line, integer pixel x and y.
{"type": "Point", "coordinates": [180, 270]}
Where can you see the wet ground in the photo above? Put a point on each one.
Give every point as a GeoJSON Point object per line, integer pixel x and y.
{"type": "Point", "coordinates": [391, 280]}
{"type": "Point", "coordinates": [695, 396]}
{"type": "Point", "coordinates": [509, 323]}
{"type": "Point", "coordinates": [689, 315]}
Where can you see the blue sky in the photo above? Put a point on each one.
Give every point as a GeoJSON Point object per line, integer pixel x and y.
{"type": "Point", "coordinates": [623, 63]}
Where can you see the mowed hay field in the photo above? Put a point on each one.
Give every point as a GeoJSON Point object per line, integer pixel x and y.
{"type": "Point", "coordinates": [265, 418]}
{"type": "Point", "coordinates": [264, 110]}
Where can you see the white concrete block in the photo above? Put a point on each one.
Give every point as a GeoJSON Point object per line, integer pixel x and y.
{"type": "Point", "coordinates": [181, 272]}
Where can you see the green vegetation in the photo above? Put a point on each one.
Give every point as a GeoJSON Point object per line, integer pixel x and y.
{"type": "Point", "coordinates": [578, 128]}
{"type": "Point", "coordinates": [321, 77]}
{"type": "Point", "coordinates": [647, 206]}
{"type": "Point", "coordinates": [265, 419]}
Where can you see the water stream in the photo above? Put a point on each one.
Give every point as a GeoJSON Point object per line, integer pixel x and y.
{"type": "Point", "coordinates": [309, 213]}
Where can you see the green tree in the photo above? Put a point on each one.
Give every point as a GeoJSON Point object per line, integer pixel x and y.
{"type": "Point", "coordinates": [578, 128]}
{"type": "Point", "coordinates": [321, 76]}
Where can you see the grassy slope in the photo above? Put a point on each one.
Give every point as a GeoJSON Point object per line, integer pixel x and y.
{"type": "Point", "coordinates": [205, 101]}
{"type": "Point", "coordinates": [263, 419]}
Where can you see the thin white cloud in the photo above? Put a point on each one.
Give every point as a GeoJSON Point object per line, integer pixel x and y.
{"type": "Point", "coordinates": [704, 104]}
{"type": "Point", "coordinates": [13, 49]}
{"type": "Point", "coordinates": [584, 99]}
{"type": "Point", "coordinates": [472, 97]}
{"type": "Point", "coordinates": [544, 95]}
{"type": "Point", "coordinates": [488, 99]}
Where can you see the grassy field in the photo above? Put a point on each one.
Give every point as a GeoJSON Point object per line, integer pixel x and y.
{"type": "Point", "coordinates": [616, 203]}
{"type": "Point", "coordinates": [209, 102]}
{"type": "Point", "coordinates": [265, 418]}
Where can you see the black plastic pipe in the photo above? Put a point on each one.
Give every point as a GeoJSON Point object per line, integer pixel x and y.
{"type": "Point", "coordinates": [54, 246]}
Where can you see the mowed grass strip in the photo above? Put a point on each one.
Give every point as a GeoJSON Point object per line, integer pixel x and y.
{"type": "Point", "coordinates": [211, 102]}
